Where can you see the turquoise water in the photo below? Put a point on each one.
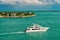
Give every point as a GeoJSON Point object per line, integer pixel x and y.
{"type": "Point", "coordinates": [13, 28]}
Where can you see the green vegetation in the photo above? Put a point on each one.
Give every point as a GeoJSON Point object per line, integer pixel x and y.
{"type": "Point", "coordinates": [17, 14]}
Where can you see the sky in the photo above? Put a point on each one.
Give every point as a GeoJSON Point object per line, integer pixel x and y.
{"type": "Point", "coordinates": [29, 5]}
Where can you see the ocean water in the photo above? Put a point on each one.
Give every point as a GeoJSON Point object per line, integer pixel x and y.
{"type": "Point", "coordinates": [13, 28]}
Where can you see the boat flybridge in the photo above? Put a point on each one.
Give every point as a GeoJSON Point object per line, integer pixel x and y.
{"type": "Point", "coordinates": [36, 28]}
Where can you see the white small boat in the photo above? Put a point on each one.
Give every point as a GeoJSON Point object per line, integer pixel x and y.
{"type": "Point", "coordinates": [36, 28]}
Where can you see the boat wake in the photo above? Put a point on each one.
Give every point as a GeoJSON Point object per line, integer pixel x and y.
{"type": "Point", "coordinates": [11, 33]}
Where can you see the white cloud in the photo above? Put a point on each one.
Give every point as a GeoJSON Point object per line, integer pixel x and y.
{"type": "Point", "coordinates": [8, 1]}
{"type": "Point", "coordinates": [35, 2]}
{"type": "Point", "coordinates": [32, 2]}
{"type": "Point", "coordinates": [57, 1]}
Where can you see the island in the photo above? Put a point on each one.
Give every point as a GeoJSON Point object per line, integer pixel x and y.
{"type": "Point", "coordinates": [16, 14]}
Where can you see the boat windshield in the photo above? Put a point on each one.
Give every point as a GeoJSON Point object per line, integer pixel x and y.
{"type": "Point", "coordinates": [36, 27]}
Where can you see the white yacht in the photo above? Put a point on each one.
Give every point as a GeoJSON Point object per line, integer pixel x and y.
{"type": "Point", "coordinates": [36, 28]}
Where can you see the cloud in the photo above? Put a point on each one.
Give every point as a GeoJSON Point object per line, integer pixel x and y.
{"type": "Point", "coordinates": [57, 1]}
{"type": "Point", "coordinates": [7, 1]}
{"type": "Point", "coordinates": [35, 2]}
{"type": "Point", "coordinates": [30, 2]}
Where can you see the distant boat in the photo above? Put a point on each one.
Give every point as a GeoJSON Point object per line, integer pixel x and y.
{"type": "Point", "coordinates": [36, 28]}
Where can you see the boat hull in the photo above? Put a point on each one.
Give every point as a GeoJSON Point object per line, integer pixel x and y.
{"type": "Point", "coordinates": [36, 30]}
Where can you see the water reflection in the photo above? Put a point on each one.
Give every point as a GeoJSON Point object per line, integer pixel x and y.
{"type": "Point", "coordinates": [37, 35]}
